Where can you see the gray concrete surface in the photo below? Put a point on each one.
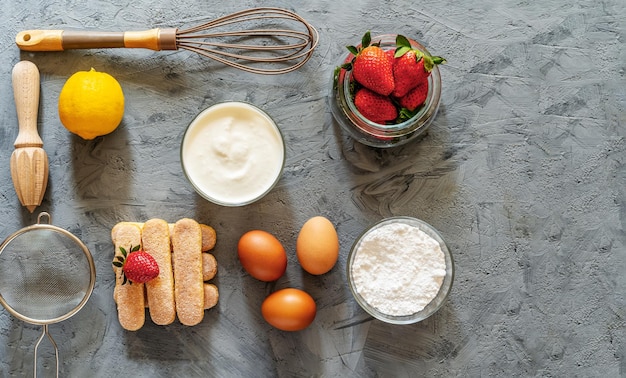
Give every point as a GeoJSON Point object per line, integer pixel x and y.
{"type": "Point", "coordinates": [522, 173]}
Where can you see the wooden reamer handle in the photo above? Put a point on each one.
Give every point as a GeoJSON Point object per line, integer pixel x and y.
{"type": "Point", "coordinates": [25, 76]}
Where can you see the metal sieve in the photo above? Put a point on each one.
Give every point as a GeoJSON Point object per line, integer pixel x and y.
{"type": "Point", "coordinates": [46, 275]}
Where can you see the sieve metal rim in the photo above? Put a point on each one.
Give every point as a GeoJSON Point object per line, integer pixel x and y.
{"type": "Point", "coordinates": [92, 270]}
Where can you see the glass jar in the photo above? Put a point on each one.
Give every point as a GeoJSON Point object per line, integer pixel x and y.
{"type": "Point", "coordinates": [371, 133]}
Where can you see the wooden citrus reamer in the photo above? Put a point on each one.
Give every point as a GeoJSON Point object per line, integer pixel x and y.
{"type": "Point", "coordinates": [29, 162]}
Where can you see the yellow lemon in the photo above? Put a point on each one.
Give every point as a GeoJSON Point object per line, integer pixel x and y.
{"type": "Point", "coordinates": [91, 104]}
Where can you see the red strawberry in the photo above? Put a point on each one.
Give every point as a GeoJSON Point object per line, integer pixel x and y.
{"type": "Point", "coordinates": [408, 72]}
{"type": "Point", "coordinates": [372, 67]}
{"type": "Point", "coordinates": [375, 107]}
{"type": "Point", "coordinates": [411, 66]}
{"type": "Point", "coordinates": [391, 54]}
{"type": "Point", "coordinates": [138, 266]}
{"type": "Point", "coordinates": [416, 96]}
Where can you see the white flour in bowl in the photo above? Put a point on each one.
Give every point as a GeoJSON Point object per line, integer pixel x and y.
{"type": "Point", "coordinates": [398, 269]}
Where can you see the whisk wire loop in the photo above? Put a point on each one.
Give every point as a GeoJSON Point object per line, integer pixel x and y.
{"type": "Point", "coordinates": [262, 13]}
{"type": "Point", "coordinates": [243, 49]}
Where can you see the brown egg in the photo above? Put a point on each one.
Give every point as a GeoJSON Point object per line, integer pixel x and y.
{"type": "Point", "coordinates": [262, 255]}
{"type": "Point", "coordinates": [317, 246]}
{"type": "Point", "coordinates": [289, 309]}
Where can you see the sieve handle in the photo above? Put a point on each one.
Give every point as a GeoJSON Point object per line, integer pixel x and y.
{"type": "Point", "coordinates": [42, 215]}
{"type": "Point", "coordinates": [45, 333]}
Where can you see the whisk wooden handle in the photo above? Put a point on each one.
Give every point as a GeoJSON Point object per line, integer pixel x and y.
{"type": "Point", "coordinates": [25, 76]}
{"type": "Point", "coordinates": [59, 40]}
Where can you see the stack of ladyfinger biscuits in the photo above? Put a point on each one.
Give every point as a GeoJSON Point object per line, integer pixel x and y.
{"type": "Point", "coordinates": [181, 289]}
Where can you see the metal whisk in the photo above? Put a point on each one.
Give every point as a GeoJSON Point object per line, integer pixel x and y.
{"type": "Point", "coordinates": [266, 41]}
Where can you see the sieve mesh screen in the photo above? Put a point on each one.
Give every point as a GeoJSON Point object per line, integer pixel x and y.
{"type": "Point", "coordinates": [45, 274]}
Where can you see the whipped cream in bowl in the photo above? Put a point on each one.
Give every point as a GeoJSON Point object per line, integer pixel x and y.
{"type": "Point", "coordinates": [233, 153]}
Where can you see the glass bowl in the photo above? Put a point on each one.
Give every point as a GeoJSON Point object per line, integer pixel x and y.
{"type": "Point", "coordinates": [232, 153]}
{"type": "Point", "coordinates": [374, 134]}
{"type": "Point", "coordinates": [431, 298]}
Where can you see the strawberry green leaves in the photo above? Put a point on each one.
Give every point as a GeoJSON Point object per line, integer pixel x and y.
{"type": "Point", "coordinates": [404, 46]}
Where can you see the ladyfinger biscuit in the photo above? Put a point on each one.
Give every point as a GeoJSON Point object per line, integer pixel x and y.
{"type": "Point", "coordinates": [129, 297]}
{"type": "Point", "coordinates": [121, 225]}
{"type": "Point", "coordinates": [209, 237]}
{"type": "Point", "coordinates": [209, 266]}
{"type": "Point", "coordinates": [155, 237]}
{"type": "Point", "coordinates": [188, 284]}
{"type": "Point", "coordinates": [211, 295]}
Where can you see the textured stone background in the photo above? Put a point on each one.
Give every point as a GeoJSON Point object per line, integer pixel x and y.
{"type": "Point", "coordinates": [522, 172]}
